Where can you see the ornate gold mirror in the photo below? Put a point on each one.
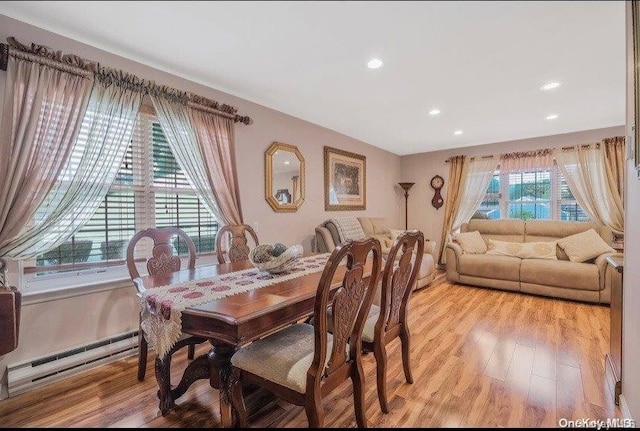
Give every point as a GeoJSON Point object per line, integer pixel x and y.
{"type": "Point", "coordinates": [284, 177]}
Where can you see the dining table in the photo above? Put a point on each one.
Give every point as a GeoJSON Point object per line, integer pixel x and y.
{"type": "Point", "coordinates": [234, 320]}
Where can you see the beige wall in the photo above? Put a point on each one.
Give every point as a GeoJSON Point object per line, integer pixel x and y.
{"type": "Point", "coordinates": [420, 168]}
{"type": "Point", "coordinates": [60, 324]}
{"type": "Point", "coordinates": [631, 278]}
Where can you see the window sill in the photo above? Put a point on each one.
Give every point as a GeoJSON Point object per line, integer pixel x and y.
{"type": "Point", "coordinates": [55, 287]}
{"type": "Point", "coordinates": [36, 296]}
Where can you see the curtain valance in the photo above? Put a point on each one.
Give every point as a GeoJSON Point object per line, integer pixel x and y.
{"type": "Point", "coordinates": [526, 161]}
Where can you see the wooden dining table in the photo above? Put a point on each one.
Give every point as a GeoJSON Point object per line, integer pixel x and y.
{"type": "Point", "coordinates": [229, 323]}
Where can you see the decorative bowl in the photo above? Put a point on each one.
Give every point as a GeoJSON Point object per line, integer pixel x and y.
{"type": "Point", "coordinates": [276, 264]}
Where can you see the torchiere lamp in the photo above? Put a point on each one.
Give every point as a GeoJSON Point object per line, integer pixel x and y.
{"type": "Point", "coordinates": [406, 187]}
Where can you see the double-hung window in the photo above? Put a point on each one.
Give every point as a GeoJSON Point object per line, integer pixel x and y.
{"type": "Point", "coordinates": [532, 194]}
{"type": "Point", "coordinates": [150, 190]}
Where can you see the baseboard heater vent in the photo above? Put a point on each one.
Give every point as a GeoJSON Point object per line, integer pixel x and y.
{"type": "Point", "coordinates": [37, 372]}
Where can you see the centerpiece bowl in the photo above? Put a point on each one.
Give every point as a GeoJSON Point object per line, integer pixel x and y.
{"type": "Point", "coordinates": [273, 259]}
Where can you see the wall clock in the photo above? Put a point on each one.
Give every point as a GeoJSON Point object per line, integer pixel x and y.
{"type": "Point", "coordinates": [436, 183]}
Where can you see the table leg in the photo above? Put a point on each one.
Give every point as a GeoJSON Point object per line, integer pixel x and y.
{"type": "Point", "coordinates": [197, 369]}
{"type": "Point", "coordinates": [163, 377]}
{"type": "Point", "coordinates": [220, 366]}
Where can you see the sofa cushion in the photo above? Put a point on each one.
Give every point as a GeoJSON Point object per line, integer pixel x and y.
{"type": "Point", "coordinates": [523, 250]}
{"type": "Point", "coordinates": [548, 230]}
{"type": "Point", "coordinates": [471, 242]}
{"type": "Point", "coordinates": [553, 230]}
{"type": "Point", "coordinates": [490, 266]}
{"type": "Point", "coordinates": [374, 225]}
{"type": "Point", "coordinates": [584, 246]}
{"type": "Point", "coordinates": [333, 229]}
{"type": "Point", "coordinates": [560, 273]}
{"type": "Point", "coordinates": [502, 230]}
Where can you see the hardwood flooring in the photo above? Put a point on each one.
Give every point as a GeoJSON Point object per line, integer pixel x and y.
{"type": "Point", "coordinates": [480, 358]}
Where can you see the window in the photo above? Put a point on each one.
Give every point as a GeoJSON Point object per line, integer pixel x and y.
{"type": "Point", "coordinates": [536, 194]}
{"type": "Point", "coordinates": [150, 189]}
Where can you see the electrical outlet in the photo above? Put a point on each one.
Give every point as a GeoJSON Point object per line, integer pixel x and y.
{"type": "Point", "coordinates": [255, 226]}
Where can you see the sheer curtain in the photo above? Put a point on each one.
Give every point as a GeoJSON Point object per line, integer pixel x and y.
{"type": "Point", "coordinates": [476, 181]}
{"type": "Point", "coordinates": [475, 178]}
{"type": "Point", "coordinates": [593, 184]}
{"type": "Point", "coordinates": [202, 143]}
{"type": "Point", "coordinates": [89, 170]}
{"type": "Point", "coordinates": [43, 108]}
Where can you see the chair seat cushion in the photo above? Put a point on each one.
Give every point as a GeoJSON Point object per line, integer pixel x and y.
{"type": "Point", "coordinates": [283, 357]}
{"type": "Point", "coordinates": [368, 331]}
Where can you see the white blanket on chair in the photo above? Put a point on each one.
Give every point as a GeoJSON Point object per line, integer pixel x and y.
{"type": "Point", "coordinates": [348, 228]}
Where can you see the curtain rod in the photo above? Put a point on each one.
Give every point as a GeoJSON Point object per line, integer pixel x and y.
{"type": "Point", "coordinates": [474, 157]}
{"type": "Point", "coordinates": [597, 144]}
{"type": "Point", "coordinates": [73, 64]}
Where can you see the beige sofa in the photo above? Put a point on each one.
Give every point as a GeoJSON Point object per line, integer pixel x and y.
{"type": "Point", "coordinates": [556, 278]}
{"type": "Point", "coordinates": [327, 236]}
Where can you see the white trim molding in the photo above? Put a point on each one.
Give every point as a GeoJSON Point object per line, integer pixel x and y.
{"type": "Point", "coordinates": [624, 408]}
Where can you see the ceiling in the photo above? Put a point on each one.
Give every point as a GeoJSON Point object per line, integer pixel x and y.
{"type": "Point", "coordinates": [480, 63]}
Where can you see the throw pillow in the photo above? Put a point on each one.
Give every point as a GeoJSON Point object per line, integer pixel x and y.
{"type": "Point", "coordinates": [471, 242]}
{"type": "Point", "coordinates": [584, 246]}
{"type": "Point", "coordinates": [523, 250]}
{"type": "Point", "coordinates": [504, 248]}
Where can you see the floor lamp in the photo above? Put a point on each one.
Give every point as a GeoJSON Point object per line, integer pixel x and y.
{"type": "Point", "coordinates": [406, 187]}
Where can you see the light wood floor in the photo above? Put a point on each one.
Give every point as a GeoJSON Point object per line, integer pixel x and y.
{"type": "Point", "coordinates": [481, 358]}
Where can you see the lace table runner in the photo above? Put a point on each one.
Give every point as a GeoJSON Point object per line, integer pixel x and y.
{"type": "Point", "coordinates": [161, 308]}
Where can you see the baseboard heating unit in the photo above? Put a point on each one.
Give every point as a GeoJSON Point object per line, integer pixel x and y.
{"type": "Point", "coordinates": [27, 375]}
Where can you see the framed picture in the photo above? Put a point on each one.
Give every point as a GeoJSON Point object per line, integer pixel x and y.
{"type": "Point", "coordinates": [635, 26]}
{"type": "Point", "coordinates": [345, 180]}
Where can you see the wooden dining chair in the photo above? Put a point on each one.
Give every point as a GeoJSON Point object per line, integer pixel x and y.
{"type": "Point", "coordinates": [303, 363]}
{"type": "Point", "coordinates": [236, 237]}
{"type": "Point", "coordinates": [162, 261]}
{"type": "Point", "coordinates": [390, 321]}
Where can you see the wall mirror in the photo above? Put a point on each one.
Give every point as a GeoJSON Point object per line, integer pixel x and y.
{"type": "Point", "coordinates": [284, 177]}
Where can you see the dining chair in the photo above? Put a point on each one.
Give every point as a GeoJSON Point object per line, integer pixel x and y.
{"type": "Point", "coordinates": [162, 261]}
{"type": "Point", "coordinates": [236, 237]}
{"type": "Point", "coordinates": [390, 320]}
{"type": "Point", "coordinates": [303, 363]}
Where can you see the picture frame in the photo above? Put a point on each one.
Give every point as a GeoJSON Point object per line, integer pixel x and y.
{"type": "Point", "coordinates": [635, 28]}
{"type": "Point", "coordinates": [345, 180]}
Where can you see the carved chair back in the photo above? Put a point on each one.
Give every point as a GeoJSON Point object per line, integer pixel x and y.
{"type": "Point", "coordinates": [398, 282]}
{"type": "Point", "coordinates": [236, 237]}
{"type": "Point", "coordinates": [162, 260]}
{"type": "Point", "coordinates": [351, 304]}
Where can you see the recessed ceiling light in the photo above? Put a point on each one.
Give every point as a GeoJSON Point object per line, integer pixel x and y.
{"type": "Point", "coordinates": [552, 117]}
{"type": "Point", "coordinates": [434, 112]}
{"type": "Point", "coordinates": [550, 86]}
{"type": "Point", "coordinates": [458, 132]}
{"type": "Point", "coordinates": [286, 162]}
{"type": "Point", "coordinates": [374, 63]}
